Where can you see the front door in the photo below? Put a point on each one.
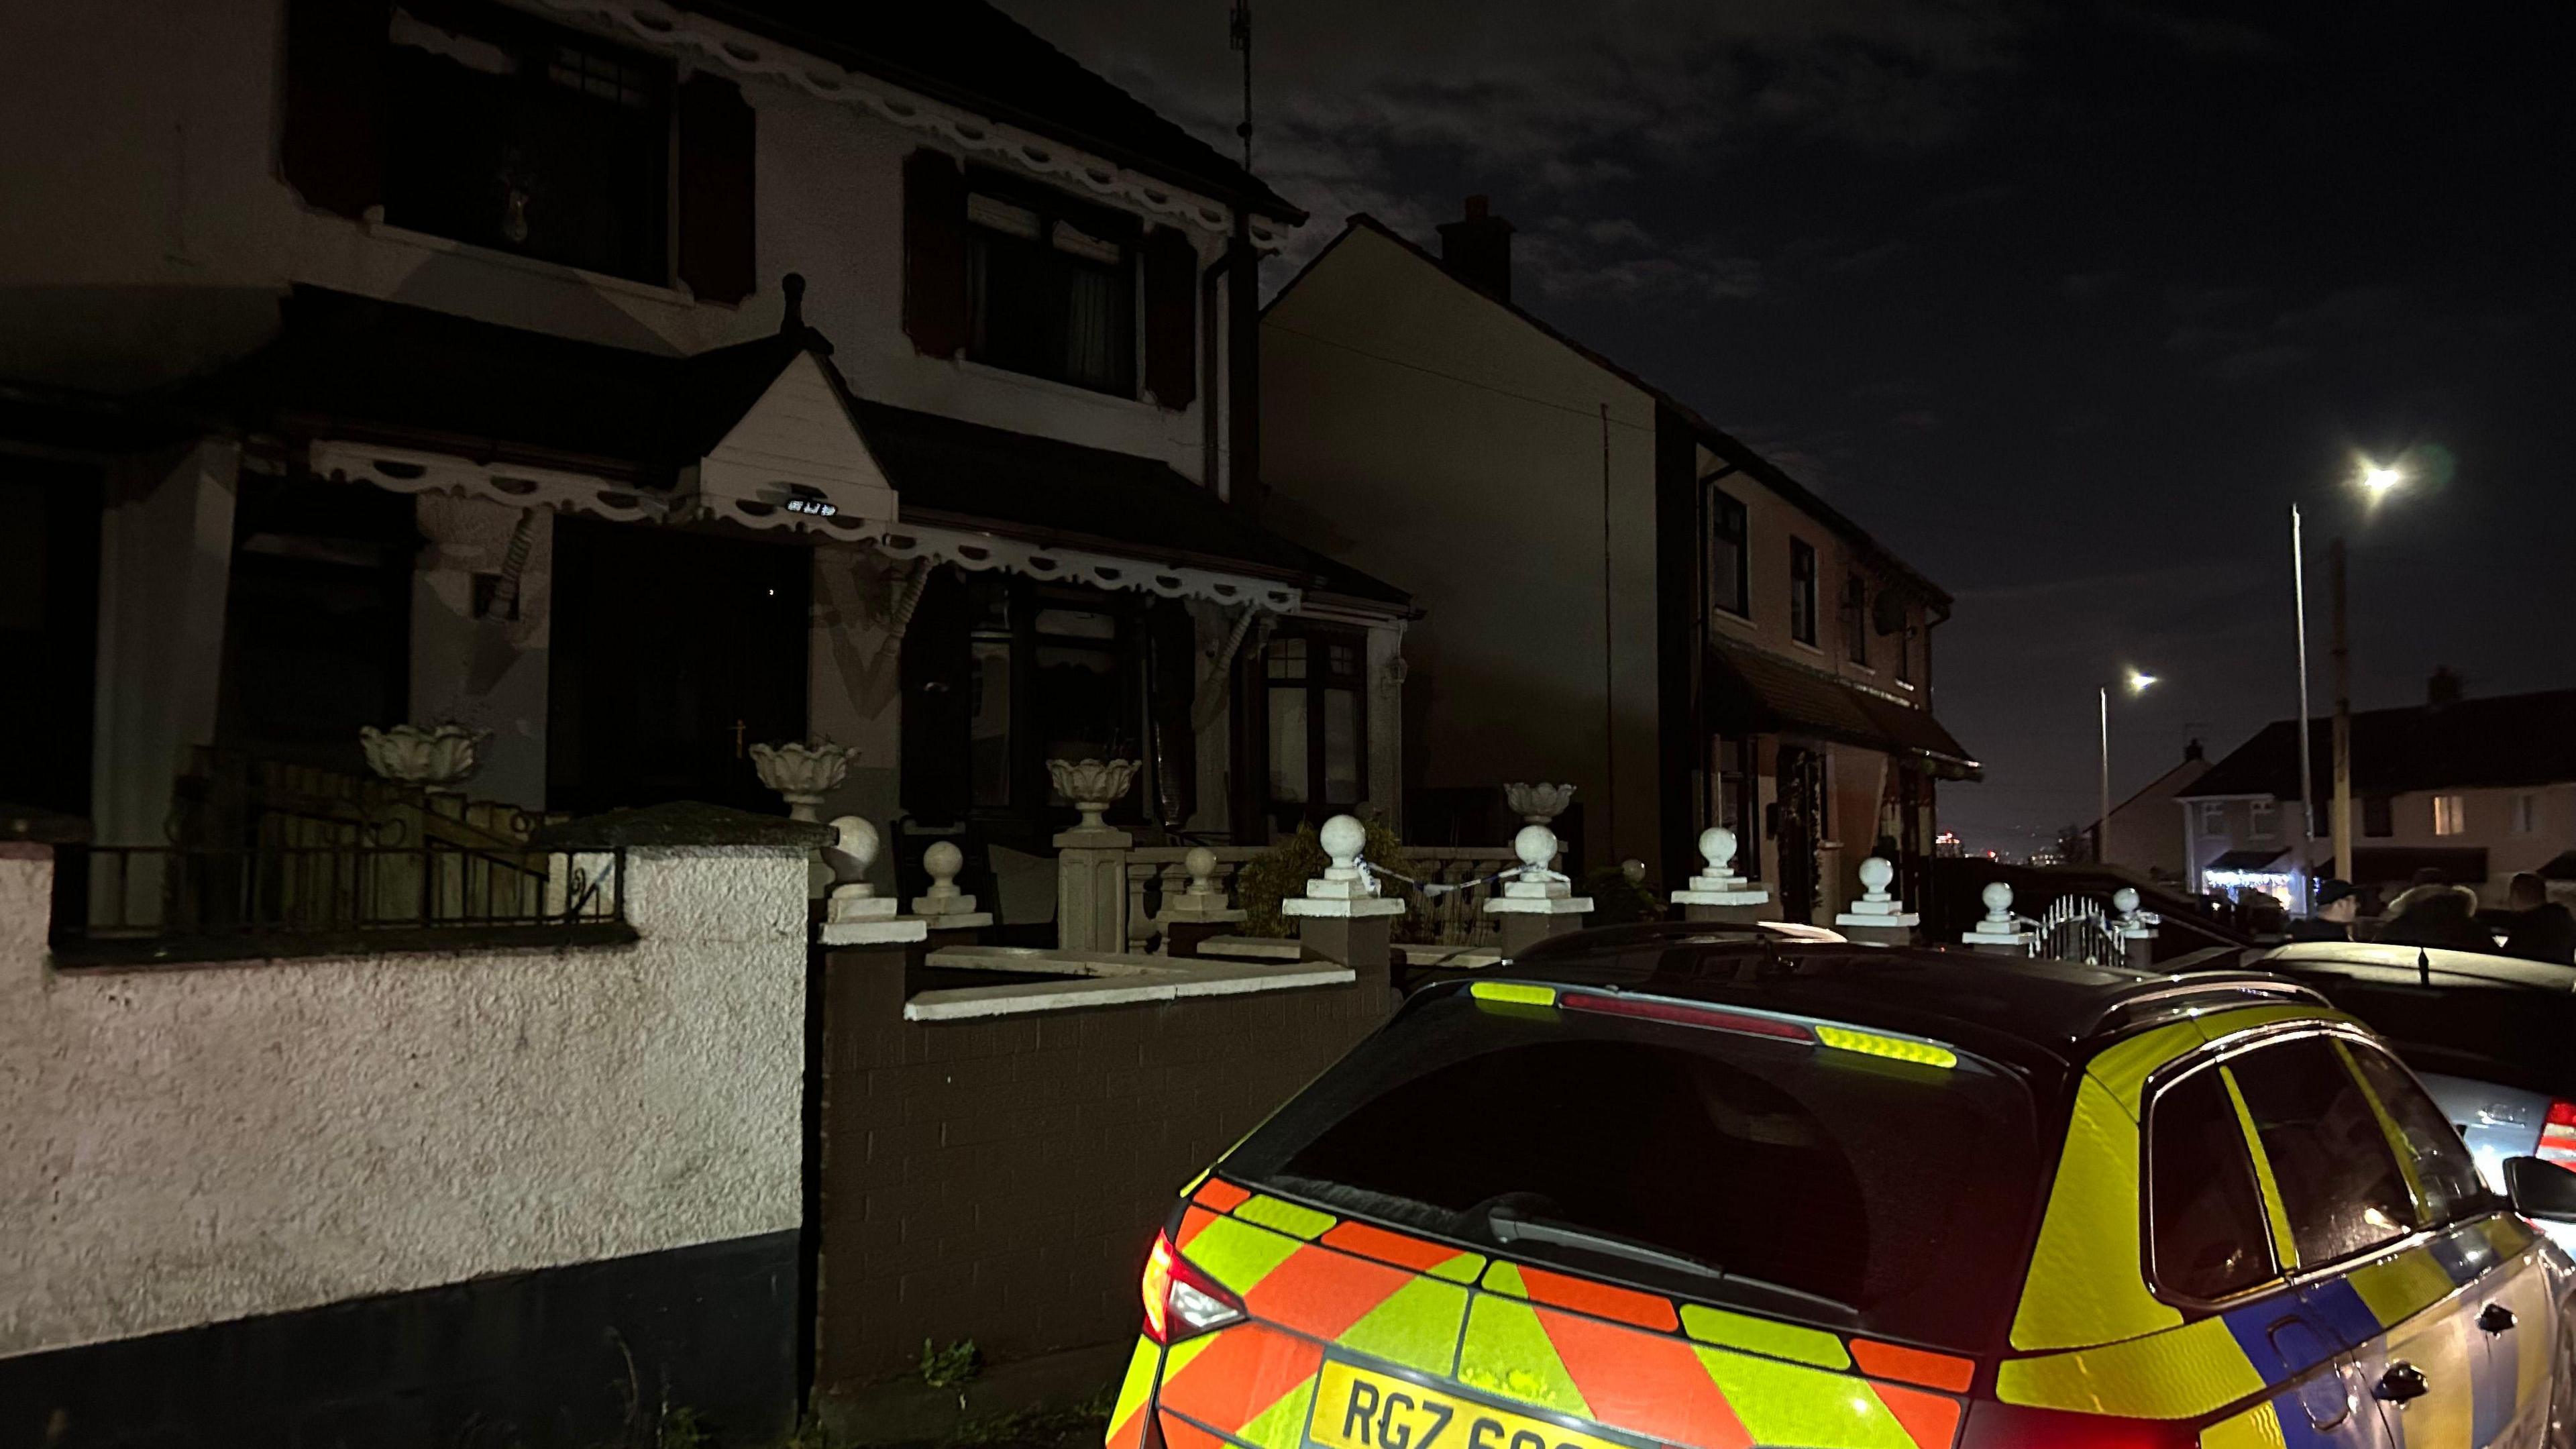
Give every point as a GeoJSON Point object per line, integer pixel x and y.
{"type": "Point", "coordinates": [673, 653]}
{"type": "Point", "coordinates": [1800, 813]}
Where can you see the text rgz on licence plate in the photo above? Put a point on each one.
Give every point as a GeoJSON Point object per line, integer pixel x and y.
{"type": "Point", "coordinates": [1358, 1409]}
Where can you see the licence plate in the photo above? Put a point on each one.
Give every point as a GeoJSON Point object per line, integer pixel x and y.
{"type": "Point", "coordinates": [1356, 1408]}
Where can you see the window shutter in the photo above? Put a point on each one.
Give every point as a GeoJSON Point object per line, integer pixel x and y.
{"type": "Point", "coordinates": [1171, 318]}
{"type": "Point", "coordinates": [332, 150]}
{"type": "Point", "coordinates": [716, 197]}
{"type": "Point", "coordinates": [934, 253]}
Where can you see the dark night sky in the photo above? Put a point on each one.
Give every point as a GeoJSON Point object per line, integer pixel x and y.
{"type": "Point", "coordinates": [2065, 302]}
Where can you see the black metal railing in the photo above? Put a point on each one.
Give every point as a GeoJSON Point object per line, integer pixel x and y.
{"type": "Point", "coordinates": [122, 903]}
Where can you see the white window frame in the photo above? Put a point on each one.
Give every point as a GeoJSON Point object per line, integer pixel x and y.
{"type": "Point", "coordinates": [2213, 818]}
{"type": "Point", "coordinates": [2450, 814]}
{"type": "Point", "coordinates": [2262, 819]}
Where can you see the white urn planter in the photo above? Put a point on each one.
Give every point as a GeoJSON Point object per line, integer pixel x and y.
{"type": "Point", "coordinates": [802, 773]}
{"type": "Point", "coordinates": [438, 758]}
{"type": "Point", "coordinates": [1537, 804]}
{"type": "Point", "coordinates": [1092, 785]}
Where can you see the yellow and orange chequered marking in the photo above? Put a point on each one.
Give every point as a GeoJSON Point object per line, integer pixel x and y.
{"type": "Point", "coordinates": [1515, 1333]}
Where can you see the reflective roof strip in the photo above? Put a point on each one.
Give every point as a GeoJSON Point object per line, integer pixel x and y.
{"type": "Point", "coordinates": [1513, 993]}
{"type": "Point", "coordinates": [1894, 1048]}
{"type": "Point", "coordinates": [1913, 1365]}
{"type": "Point", "coordinates": [2276, 1216]}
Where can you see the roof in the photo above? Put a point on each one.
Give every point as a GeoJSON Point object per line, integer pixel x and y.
{"type": "Point", "coordinates": [1751, 691]}
{"type": "Point", "coordinates": [1735, 451]}
{"type": "Point", "coordinates": [968, 53]}
{"type": "Point", "coordinates": [390, 372]}
{"type": "Point", "coordinates": [2034, 1013]}
{"type": "Point", "coordinates": [2502, 740]}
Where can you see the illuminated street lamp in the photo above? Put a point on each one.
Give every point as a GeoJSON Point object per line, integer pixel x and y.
{"type": "Point", "coordinates": [2376, 480]}
{"type": "Point", "coordinates": [2136, 684]}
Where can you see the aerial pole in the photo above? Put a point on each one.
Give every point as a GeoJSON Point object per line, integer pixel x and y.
{"type": "Point", "coordinates": [1242, 34]}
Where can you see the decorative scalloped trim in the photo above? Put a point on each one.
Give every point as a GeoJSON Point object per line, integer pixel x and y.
{"type": "Point", "coordinates": [660, 26]}
{"type": "Point", "coordinates": [983, 552]}
{"type": "Point", "coordinates": [407, 470]}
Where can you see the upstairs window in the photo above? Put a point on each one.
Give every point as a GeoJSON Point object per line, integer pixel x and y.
{"type": "Point", "coordinates": [1050, 290]}
{"type": "Point", "coordinates": [510, 133]}
{"type": "Point", "coordinates": [1856, 620]}
{"type": "Point", "coordinates": [1730, 563]}
{"type": "Point", "coordinates": [2450, 814]}
{"type": "Point", "coordinates": [2262, 819]}
{"type": "Point", "coordinates": [2213, 817]}
{"type": "Point", "coordinates": [1802, 592]}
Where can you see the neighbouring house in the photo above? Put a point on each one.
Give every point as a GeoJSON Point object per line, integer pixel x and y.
{"type": "Point", "coordinates": [2474, 788]}
{"type": "Point", "coordinates": [2146, 833]}
{"type": "Point", "coordinates": [446, 360]}
{"type": "Point", "coordinates": [1617, 594]}
{"type": "Point", "coordinates": [634, 384]}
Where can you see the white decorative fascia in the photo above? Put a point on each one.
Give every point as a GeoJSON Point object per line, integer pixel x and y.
{"type": "Point", "coordinates": [409, 470]}
{"type": "Point", "coordinates": [982, 552]}
{"type": "Point", "coordinates": [675, 30]}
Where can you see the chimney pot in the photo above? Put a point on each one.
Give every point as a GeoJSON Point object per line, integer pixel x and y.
{"type": "Point", "coordinates": [1477, 250]}
{"type": "Point", "coordinates": [2194, 751]}
{"type": "Point", "coordinates": [2443, 688]}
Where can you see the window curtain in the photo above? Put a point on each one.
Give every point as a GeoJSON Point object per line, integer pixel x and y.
{"type": "Point", "coordinates": [1090, 332]}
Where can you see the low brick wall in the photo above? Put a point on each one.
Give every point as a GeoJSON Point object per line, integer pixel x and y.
{"type": "Point", "coordinates": [1000, 1179]}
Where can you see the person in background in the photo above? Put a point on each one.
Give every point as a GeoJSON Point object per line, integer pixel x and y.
{"type": "Point", "coordinates": [2539, 929]}
{"type": "Point", "coordinates": [2337, 902]}
{"type": "Point", "coordinates": [2435, 913]}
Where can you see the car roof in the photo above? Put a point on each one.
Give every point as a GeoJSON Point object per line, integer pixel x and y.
{"type": "Point", "coordinates": [2041, 1015]}
{"type": "Point", "coordinates": [2370, 960]}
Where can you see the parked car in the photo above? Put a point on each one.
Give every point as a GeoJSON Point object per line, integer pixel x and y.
{"type": "Point", "coordinates": [2493, 1038]}
{"type": "Point", "coordinates": [1660, 1185]}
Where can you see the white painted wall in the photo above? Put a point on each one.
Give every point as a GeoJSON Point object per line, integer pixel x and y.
{"type": "Point", "coordinates": [149, 232]}
{"type": "Point", "coordinates": [190, 1144]}
{"type": "Point", "coordinates": [1418, 432]}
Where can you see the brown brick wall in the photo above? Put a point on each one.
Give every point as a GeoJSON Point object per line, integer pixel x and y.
{"type": "Point", "coordinates": [1000, 1180]}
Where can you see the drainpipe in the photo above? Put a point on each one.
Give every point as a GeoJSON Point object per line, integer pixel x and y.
{"type": "Point", "coordinates": [1243, 362]}
{"type": "Point", "coordinates": [1208, 389]}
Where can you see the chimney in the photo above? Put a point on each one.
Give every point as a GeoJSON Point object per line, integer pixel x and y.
{"type": "Point", "coordinates": [2193, 751]}
{"type": "Point", "coordinates": [2443, 688]}
{"type": "Point", "coordinates": [1478, 251]}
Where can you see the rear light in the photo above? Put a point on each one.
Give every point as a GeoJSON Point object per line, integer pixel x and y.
{"type": "Point", "coordinates": [1181, 1300]}
{"type": "Point", "coordinates": [1993, 1425]}
{"type": "Point", "coordinates": [1682, 1013]}
{"type": "Point", "coordinates": [2558, 1135]}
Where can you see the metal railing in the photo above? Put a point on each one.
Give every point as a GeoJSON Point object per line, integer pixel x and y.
{"type": "Point", "coordinates": [121, 902]}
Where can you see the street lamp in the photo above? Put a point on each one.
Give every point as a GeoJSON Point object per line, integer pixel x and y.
{"type": "Point", "coordinates": [2136, 684]}
{"type": "Point", "coordinates": [2376, 480]}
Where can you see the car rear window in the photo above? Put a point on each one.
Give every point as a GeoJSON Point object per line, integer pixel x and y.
{"type": "Point", "coordinates": [1902, 1192]}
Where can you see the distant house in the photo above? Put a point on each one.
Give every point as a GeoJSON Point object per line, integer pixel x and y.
{"type": "Point", "coordinates": [2474, 788]}
{"type": "Point", "coordinates": [2147, 834]}
{"type": "Point", "coordinates": [1616, 593]}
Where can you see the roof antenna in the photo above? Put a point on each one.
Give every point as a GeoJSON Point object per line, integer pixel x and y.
{"type": "Point", "coordinates": [1242, 38]}
{"type": "Point", "coordinates": [792, 320]}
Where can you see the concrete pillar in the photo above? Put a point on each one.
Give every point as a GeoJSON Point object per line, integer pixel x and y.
{"type": "Point", "coordinates": [2001, 933]}
{"type": "Point", "coordinates": [1091, 858]}
{"type": "Point", "coordinates": [1193, 915]}
{"type": "Point", "coordinates": [1342, 918]}
{"type": "Point", "coordinates": [1717, 894]}
{"type": "Point", "coordinates": [2137, 928]}
{"type": "Point", "coordinates": [1878, 917]}
{"type": "Point", "coordinates": [1541, 902]}
{"type": "Point", "coordinates": [854, 914]}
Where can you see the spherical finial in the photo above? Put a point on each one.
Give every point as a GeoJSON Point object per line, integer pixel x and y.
{"type": "Point", "coordinates": [853, 849]}
{"type": "Point", "coordinates": [1343, 839]}
{"type": "Point", "coordinates": [943, 860]}
{"type": "Point", "coordinates": [1997, 896]}
{"type": "Point", "coordinates": [1875, 873]}
{"type": "Point", "coordinates": [2125, 900]}
{"type": "Point", "coordinates": [1535, 845]}
{"type": "Point", "coordinates": [1200, 862]}
{"type": "Point", "coordinates": [1634, 871]}
{"type": "Point", "coordinates": [1717, 847]}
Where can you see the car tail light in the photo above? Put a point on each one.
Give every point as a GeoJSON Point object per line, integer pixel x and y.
{"type": "Point", "coordinates": [1683, 1013]}
{"type": "Point", "coordinates": [1993, 1425]}
{"type": "Point", "coordinates": [2558, 1135]}
{"type": "Point", "coordinates": [1181, 1300]}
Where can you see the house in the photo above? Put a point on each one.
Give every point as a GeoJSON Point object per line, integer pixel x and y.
{"type": "Point", "coordinates": [1617, 594]}
{"type": "Point", "coordinates": [634, 384]}
{"type": "Point", "coordinates": [2147, 834]}
{"type": "Point", "coordinates": [2477, 789]}
{"type": "Point", "coordinates": [638, 385]}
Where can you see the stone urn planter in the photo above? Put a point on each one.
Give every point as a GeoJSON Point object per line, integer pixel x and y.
{"type": "Point", "coordinates": [1092, 785]}
{"type": "Point", "coordinates": [438, 758]}
{"type": "Point", "coordinates": [802, 773]}
{"type": "Point", "coordinates": [1539, 803]}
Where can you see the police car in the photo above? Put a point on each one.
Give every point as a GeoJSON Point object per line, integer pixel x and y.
{"type": "Point", "coordinates": [1657, 1186]}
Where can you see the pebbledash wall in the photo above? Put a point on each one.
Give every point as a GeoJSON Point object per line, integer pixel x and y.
{"type": "Point", "coordinates": [999, 1179]}
{"type": "Point", "coordinates": [530, 1195]}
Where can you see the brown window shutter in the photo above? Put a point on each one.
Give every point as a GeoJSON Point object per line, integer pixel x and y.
{"type": "Point", "coordinates": [1171, 318]}
{"type": "Point", "coordinates": [716, 198]}
{"type": "Point", "coordinates": [934, 253]}
{"type": "Point", "coordinates": [332, 150]}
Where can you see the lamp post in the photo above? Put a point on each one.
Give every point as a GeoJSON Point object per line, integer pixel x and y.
{"type": "Point", "coordinates": [2376, 481]}
{"type": "Point", "coordinates": [2136, 684]}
